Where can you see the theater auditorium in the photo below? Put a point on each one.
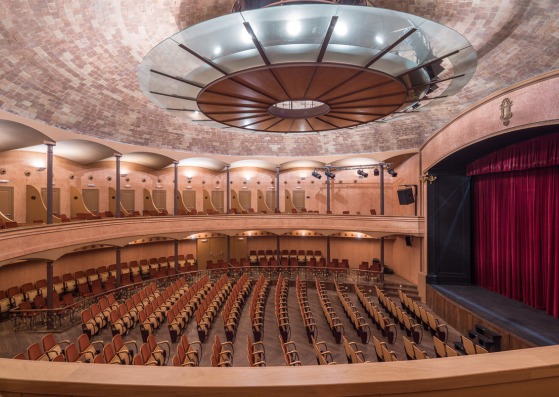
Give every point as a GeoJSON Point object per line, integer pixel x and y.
{"type": "Point", "coordinates": [265, 197]}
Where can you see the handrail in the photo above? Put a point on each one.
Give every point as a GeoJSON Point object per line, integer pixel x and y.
{"type": "Point", "coordinates": [50, 242]}
{"type": "Point", "coordinates": [513, 373]}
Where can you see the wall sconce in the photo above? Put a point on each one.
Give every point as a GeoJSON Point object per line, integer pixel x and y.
{"type": "Point", "coordinates": [109, 178]}
{"type": "Point", "coordinates": [158, 186]}
{"type": "Point", "coordinates": [27, 173]}
{"type": "Point", "coordinates": [127, 186]}
{"type": "Point", "coordinates": [144, 180]}
{"type": "Point", "coordinates": [427, 178]}
{"type": "Point", "coordinates": [91, 185]}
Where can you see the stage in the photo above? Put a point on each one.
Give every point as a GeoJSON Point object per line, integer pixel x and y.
{"type": "Point", "coordinates": [520, 325]}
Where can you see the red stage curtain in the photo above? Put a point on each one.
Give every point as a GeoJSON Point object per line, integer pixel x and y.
{"type": "Point", "coordinates": [516, 222]}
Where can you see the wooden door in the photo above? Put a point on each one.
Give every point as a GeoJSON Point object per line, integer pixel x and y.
{"type": "Point", "coordinates": [245, 199]}
{"type": "Point", "coordinates": [299, 199]}
{"type": "Point", "coordinates": [189, 198]}
{"type": "Point", "coordinates": [91, 199]}
{"type": "Point", "coordinates": [160, 199]}
{"type": "Point", "coordinates": [7, 201]}
{"type": "Point", "coordinates": [55, 199]}
{"type": "Point", "coordinates": [128, 200]}
{"type": "Point", "coordinates": [218, 200]}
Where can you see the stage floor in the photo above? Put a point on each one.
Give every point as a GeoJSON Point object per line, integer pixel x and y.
{"type": "Point", "coordinates": [533, 325]}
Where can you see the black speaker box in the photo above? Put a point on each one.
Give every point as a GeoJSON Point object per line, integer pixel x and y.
{"type": "Point", "coordinates": [405, 196]}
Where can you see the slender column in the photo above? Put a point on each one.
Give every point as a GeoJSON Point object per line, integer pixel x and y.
{"type": "Point", "coordinates": [327, 250]}
{"type": "Point", "coordinates": [228, 249]}
{"type": "Point", "coordinates": [328, 191]}
{"type": "Point", "coordinates": [50, 297]}
{"type": "Point", "coordinates": [118, 272]}
{"type": "Point", "coordinates": [277, 189]}
{"type": "Point", "coordinates": [117, 212]}
{"type": "Point", "coordinates": [176, 198]}
{"type": "Point", "coordinates": [50, 146]}
{"type": "Point", "coordinates": [381, 189]}
{"type": "Point", "coordinates": [382, 213]}
{"type": "Point", "coordinates": [227, 167]}
{"type": "Point", "coordinates": [177, 255]}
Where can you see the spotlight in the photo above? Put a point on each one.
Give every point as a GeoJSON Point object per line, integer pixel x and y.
{"type": "Point", "coordinates": [329, 174]}
{"type": "Point", "coordinates": [376, 172]}
{"type": "Point", "coordinates": [362, 173]}
{"type": "Point", "coordinates": [392, 172]}
{"type": "Point", "coordinates": [316, 174]}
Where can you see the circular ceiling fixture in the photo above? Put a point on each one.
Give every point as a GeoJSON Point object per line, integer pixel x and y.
{"type": "Point", "coordinates": [306, 68]}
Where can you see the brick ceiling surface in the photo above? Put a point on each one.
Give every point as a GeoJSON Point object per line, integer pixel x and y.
{"type": "Point", "coordinates": [73, 64]}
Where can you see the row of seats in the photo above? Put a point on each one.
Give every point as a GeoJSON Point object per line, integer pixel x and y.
{"type": "Point", "coordinates": [305, 309]}
{"type": "Point", "coordinates": [301, 256]}
{"type": "Point", "coordinates": [188, 353]}
{"type": "Point", "coordinates": [355, 317]}
{"type": "Point", "coordinates": [281, 305]}
{"type": "Point", "coordinates": [233, 308]}
{"type": "Point", "coordinates": [334, 322]}
{"type": "Point", "coordinates": [208, 309]}
{"type": "Point", "coordinates": [222, 353]}
{"type": "Point", "coordinates": [352, 352]}
{"type": "Point", "coordinates": [256, 353]}
{"type": "Point", "coordinates": [183, 309]}
{"type": "Point", "coordinates": [381, 321]}
{"type": "Point", "coordinates": [258, 306]}
{"type": "Point", "coordinates": [321, 352]}
{"type": "Point", "coordinates": [290, 354]}
{"type": "Point", "coordinates": [429, 322]}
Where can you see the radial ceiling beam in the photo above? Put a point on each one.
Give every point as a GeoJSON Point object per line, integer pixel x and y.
{"type": "Point", "coordinates": [203, 59]}
{"type": "Point", "coordinates": [327, 38]}
{"type": "Point", "coordinates": [173, 96]}
{"type": "Point", "coordinates": [177, 78]}
{"type": "Point", "coordinates": [428, 63]}
{"type": "Point", "coordinates": [257, 43]}
{"type": "Point", "coordinates": [391, 46]}
{"type": "Point", "coordinates": [437, 81]}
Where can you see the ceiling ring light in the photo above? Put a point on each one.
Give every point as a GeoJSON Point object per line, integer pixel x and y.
{"type": "Point", "coordinates": [306, 68]}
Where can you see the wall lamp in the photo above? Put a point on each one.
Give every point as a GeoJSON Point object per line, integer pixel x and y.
{"type": "Point", "coordinates": [316, 174]}
{"type": "Point", "coordinates": [427, 178]}
{"type": "Point", "coordinates": [329, 174]}
{"type": "Point", "coordinates": [362, 173]}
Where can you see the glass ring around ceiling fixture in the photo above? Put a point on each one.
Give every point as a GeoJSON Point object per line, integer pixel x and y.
{"type": "Point", "coordinates": [362, 64]}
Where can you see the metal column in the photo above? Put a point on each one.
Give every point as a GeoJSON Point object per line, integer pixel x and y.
{"type": "Point", "coordinates": [228, 190]}
{"type": "Point", "coordinates": [50, 146]}
{"type": "Point", "coordinates": [117, 211]}
{"type": "Point", "coordinates": [176, 198]}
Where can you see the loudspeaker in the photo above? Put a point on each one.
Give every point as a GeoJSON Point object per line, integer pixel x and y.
{"type": "Point", "coordinates": [405, 196]}
{"type": "Point", "coordinates": [408, 240]}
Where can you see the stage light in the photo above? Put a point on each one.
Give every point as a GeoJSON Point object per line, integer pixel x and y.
{"type": "Point", "coordinates": [316, 174]}
{"type": "Point", "coordinates": [329, 174]}
{"type": "Point", "coordinates": [392, 172]}
{"type": "Point", "coordinates": [362, 173]}
{"type": "Point", "coordinates": [376, 172]}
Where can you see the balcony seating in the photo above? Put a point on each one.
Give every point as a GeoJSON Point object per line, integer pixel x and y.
{"type": "Point", "coordinates": [88, 349]}
{"type": "Point", "coordinates": [378, 345]}
{"type": "Point", "coordinates": [208, 309]}
{"type": "Point", "coordinates": [89, 325]}
{"type": "Point", "coordinates": [408, 348]}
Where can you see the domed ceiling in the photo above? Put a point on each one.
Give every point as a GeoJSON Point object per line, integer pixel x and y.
{"type": "Point", "coordinates": [74, 65]}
